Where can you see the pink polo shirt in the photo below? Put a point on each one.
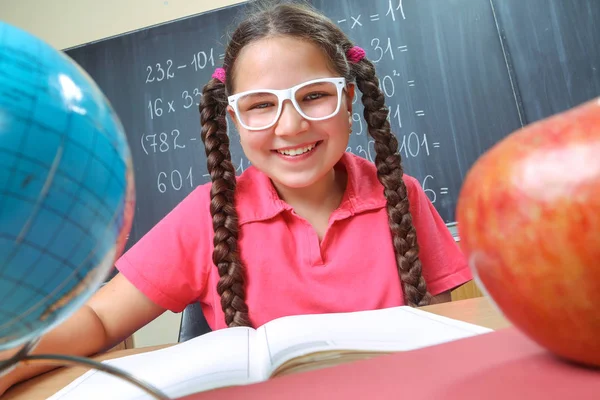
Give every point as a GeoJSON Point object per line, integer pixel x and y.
{"type": "Point", "coordinates": [288, 271]}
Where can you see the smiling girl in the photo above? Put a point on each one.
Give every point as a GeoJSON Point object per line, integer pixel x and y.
{"type": "Point", "coordinates": [309, 228]}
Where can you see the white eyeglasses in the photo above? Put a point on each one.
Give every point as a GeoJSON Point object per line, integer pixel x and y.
{"type": "Point", "coordinates": [314, 100]}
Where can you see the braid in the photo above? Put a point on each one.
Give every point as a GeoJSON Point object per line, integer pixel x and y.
{"type": "Point", "coordinates": [231, 286]}
{"type": "Point", "coordinates": [390, 172]}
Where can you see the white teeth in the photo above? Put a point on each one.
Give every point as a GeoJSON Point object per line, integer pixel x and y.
{"type": "Point", "coordinates": [298, 151]}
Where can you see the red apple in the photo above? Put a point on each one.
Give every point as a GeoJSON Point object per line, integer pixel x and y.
{"type": "Point", "coordinates": [529, 221]}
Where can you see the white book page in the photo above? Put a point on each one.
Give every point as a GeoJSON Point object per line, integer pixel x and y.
{"type": "Point", "coordinates": [391, 329]}
{"type": "Point", "coordinates": [216, 359]}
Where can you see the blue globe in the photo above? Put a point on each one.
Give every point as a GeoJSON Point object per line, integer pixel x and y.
{"type": "Point", "coordinates": [66, 187]}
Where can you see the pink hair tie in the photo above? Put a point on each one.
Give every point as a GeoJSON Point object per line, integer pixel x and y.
{"type": "Point", "coordinates": [219, 74]}
{"type": "Point", "coordinates": [355, 54]}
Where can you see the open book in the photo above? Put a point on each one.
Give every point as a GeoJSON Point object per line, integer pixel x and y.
{"type": "Point", "coordinates": [239, 356]}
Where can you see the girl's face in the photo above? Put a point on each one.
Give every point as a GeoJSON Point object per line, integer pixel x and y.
{"type": "Point", "coordinates": [295, 152]}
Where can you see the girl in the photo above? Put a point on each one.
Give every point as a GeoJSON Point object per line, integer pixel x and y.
{"type": "Point", "coordinates": [309, 228]}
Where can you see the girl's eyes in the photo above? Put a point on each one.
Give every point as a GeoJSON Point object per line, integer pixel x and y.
{"type": "Point", "coordinates": [261, 106]}
{"type": "Point", "coordinates": [308, 97]}
{"type": "Point", "coordinates": [314, 96]}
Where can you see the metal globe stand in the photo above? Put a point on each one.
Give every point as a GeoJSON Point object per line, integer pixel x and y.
{"type": "Point", "coordinates": [23, 356]}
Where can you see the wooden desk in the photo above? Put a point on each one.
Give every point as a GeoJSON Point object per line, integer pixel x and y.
{"type": "Point", "coordinates": [478, 311]}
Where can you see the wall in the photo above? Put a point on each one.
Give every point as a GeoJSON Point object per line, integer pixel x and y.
{"type": "Point", "coordinates": [68, 23]}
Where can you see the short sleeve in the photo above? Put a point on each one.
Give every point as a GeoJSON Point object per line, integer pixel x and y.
{"type": "Point", "coordinates": [444, 265]}
{"type": "Point", "coordinates": [169, 263]}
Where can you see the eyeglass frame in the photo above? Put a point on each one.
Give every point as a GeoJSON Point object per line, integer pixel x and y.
{"type": "Point", "coordinates": [289, 94]}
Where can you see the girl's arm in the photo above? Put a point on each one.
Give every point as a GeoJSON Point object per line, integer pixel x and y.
{"type": "Point", "coordinates": [113, 313]}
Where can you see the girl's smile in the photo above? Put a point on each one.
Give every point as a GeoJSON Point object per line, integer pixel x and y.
{"type": "Point", "coordinates": [298, 153]}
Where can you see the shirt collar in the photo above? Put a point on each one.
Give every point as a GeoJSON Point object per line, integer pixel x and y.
{"type": "Point", "coordinates": [257, 200]}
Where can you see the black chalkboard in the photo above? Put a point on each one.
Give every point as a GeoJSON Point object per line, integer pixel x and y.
{"type": "Point", "coordinates": [456, 80]}
{"type": "Point", "coordinates": [554, 46]}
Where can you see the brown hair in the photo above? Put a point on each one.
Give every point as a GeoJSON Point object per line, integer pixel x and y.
{"type": "Point", "coordinates": [302, 22]}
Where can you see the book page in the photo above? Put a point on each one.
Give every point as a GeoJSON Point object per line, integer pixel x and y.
{"type": "Point", "coordinates": [216, 359]}
{"type": "Point", "coordinates": [384, 330]}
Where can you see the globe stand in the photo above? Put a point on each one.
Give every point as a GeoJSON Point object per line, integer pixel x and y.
{"type": "Point", "coordinates": [23, 356]}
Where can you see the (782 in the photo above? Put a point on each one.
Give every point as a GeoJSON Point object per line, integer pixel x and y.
{"type": "Point", "coordinates": [160, 142]}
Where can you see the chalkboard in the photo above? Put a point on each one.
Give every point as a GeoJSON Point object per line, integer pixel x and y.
{"type": "Point", "coordinates": [442, 70]}
{"type": "Point", "coordinates": [452, 86]}
{"type": "Point", "coordinates": [554, 46]}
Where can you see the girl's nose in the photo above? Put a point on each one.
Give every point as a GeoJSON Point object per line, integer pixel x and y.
{"type": "Point", "coordinates": [290, 121]}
